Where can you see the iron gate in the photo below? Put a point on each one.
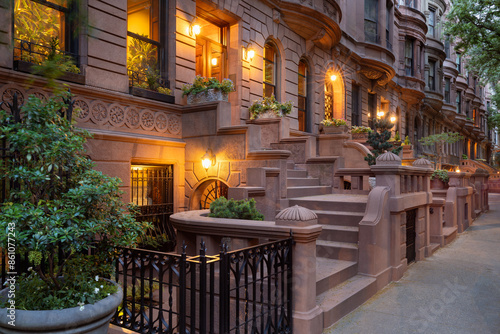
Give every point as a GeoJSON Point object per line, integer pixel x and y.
{"type": "Point", "coordinates": [410, 235]}
{"type": "Point", "coordinates": [153, 192]}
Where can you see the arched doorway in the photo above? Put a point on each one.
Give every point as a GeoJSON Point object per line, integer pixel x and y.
{"type": "Point", "coordinates": [207, 192]}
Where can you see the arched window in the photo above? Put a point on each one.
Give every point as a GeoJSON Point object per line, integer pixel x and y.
{"type": "Point", "coordinates": [334, 95]}
{"type": "Point", "coordinates": [329, 102]}
{"type": "Point", "coordinates": [270, 70]}
{"type": "Point", "coordinates": [302, 95]}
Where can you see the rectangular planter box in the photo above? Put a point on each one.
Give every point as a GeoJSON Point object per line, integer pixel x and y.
{"type": "Point", "coordinates": [26, 67]}
{"type": "Point", "coordinates": [149, 94]}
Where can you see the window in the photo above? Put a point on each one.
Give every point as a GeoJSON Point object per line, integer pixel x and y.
{"type": "Point", "coordinates": [431, 79]}
{"type": "Point", "coordinates": [447, 46]}
{"type": "Point", "coordinates": [42, 27]}
{"type": "Point", "coordinates": [211, 50]}
{"type": "Point", "coordinates": [432, 22]}
{"type": "Point", "coordinates": [371, 21]}
{"type": "Point", "coordinates": [388, 26]}
{"type": "Point", "coordinates": [409, 56]}
{"type": "Point", "coordinates": [329, 99]}
{"type": "Point", "coordinates": [302, 95]}
{"type": "Point", "coordinates": [459, 102]}
{"type": "Point", "coordinates": [410, 3]}
{"type": "Point", "coordinates": [356, 112]}
{"type": "Point", "coordinates": [144, 45]}
{"type": "Point", "coordinates": [372, 110]}
{"type": "Point", "coordinates": [474, 116]}
{"type": "Point", "coordinates": [459, 63]}
{"type": "Point", "coordinates": [467, 105]}
{"type": "Point", "coordinates": [447, 86]}
{"type": "Point", "coordinates": [270, 73]}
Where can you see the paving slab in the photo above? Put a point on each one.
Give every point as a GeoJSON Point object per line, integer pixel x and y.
{"type": "Point", "coordinates": [456, 290]}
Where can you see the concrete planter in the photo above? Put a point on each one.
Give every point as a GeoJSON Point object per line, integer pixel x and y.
{"type": "Point", "coordinates": [437, 184]}
{"type": "Point", "coordinates": [335, 129]}
{"type": "Point", "coordinates": [209, 95]}
{"type": "Point", "coordinates": [93, 319]}
{"type": "Point", "coordinates": [362, 136]}
{"type": "Point", "coordinates": [149, 94]}
{"type": "Point", "coordinates": [268, 114]}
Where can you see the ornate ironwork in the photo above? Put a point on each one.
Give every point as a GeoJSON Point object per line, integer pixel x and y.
{"type": "Point", "coordinates": [213, 191]}
{"type": "Point", "coordinates": [36, 53]}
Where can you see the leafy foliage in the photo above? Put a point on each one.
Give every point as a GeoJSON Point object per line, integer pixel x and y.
{"type": "Point", "coordinates": [474, 24]}
{"type": "Point", "coordinates": [61, 205]}
{"type": "Point", "coordinates": [441, 174]}
{"type": "Point", "coordinates": [360, 129]}
{"type": "Point", "coordinates": [379, 140]}
{"type": "Point", "coordinates": [270, 104]}
{"type": "Point", "coordinates": [439, 139]}
{"type": "Point", "coordinates": [235, 209]}
{"type": "Point", "coordinates": [333, 122]}
{"type": "Point", "coordinates": [201, 84]}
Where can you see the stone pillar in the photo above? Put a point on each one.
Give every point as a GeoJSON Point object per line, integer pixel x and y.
{"type": "Point", "coordinates": [307, 316]}
{"type": "Point", "coordinates": [463, 199]}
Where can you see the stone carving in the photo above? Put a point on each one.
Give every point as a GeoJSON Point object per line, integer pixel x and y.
{"type": "Point", "coordinates": [7, 95]}
{"type": "Point", "coordinates": [132, 118]}
{"type": "Point", "coordinates": [98, 112]}
{"type": "Point", "coordinates": [82, 109]}
{"type": "Point", "coordinates": [161, 122]}
{"type": "Point", "coordinates": [38, 93]}
{"type": "Point", "coordinates": [147, 119]}
{"type": "Point", "coordinates": [329, 9]}
{"type": "Point", "coordinates": [116, 115]}
{"type": "Point", "coordinates": [371, 74]}
{"type": "Point", "coordinates": [174, 124]}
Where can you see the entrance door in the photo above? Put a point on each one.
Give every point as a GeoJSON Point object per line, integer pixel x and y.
{"type": "Point", "coordinates": [410, 235]}
{"type": "Point", "coordinates": [153, 192]}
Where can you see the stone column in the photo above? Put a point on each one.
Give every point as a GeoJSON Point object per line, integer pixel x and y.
{"type": "Point", "coordinates": [307, 316]}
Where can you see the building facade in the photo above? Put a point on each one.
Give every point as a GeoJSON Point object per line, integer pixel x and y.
{"type": "Point", "coordinates": [332, 59]}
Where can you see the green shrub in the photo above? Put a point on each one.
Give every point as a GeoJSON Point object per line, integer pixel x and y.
{"type": "Point", "coordinates": [235, 209]}
{"type": "Point", "coordinates": [440, 174]}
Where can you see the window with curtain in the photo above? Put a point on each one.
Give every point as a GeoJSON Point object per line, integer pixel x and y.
{"type": "Point", "coordinates": [371, 21]}
{"type": "Point", "coordinates": [270, 70]}
{"type": "Point", "coordinates": [409, 56]}
{"type": "Point", "coordinates": [302, 95]}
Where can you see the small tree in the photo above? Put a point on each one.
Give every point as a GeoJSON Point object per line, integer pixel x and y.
{"type": "Point", "coordinates": [439, 139]}
{"type": "Point", "coordinates": [379, 140]}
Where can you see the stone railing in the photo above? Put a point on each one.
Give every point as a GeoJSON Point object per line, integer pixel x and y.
{"type": "Point", "coordinates": [357, 178]}
{"type": "Point", "coordinates": [193, 226]}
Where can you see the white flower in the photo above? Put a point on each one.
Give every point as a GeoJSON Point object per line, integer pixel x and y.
{"type": "Point", "coordinates": [30, 268]}
{"type": "Point", "coordinates": [108, 294]}
{"type": "Point", "coordinates": [97, 278]}
{"type": "Point", "coordinates": [96, 290]}
{"type": "Point", "coordinates": [102, 286]}
{"type": "Point", "coordinates": [81, 305]}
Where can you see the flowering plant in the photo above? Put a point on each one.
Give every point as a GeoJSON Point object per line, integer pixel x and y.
{"type": "Point", "coordinates": [60, 209]}
{"type": "Point", "coordinates": [270, 104]}
{"type": "Point", "coordinates": [333, 122]}
{"type": "Point", "coordinates": [360, 129]}
{"type": "Point", "coordinates": [201, 84]}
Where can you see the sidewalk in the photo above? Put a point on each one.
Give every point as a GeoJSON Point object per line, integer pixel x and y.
{"type": "Point", "coordinates": [457, 290]}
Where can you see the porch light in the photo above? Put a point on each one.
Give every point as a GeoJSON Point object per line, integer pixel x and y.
{"type": "Point", "coordinates": [208, 159]}
{"type": "Point", "coordinates": [248, 53]}
{"type": "Point", "coordinates": [380, 114]}
{"type": "Point", "coordinates": [458, 170]}
{"type": "Point", "coordinates": [214, 61]}
{"type": "Point", "coordinates": [393, 119]}
{"type": "Point", "coordinates": [194, 29]}
{"type": "Point", "coordinates": [333, 77]}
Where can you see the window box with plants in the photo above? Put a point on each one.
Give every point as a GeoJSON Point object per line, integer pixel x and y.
{"type": "Point", "coordinates": [360, 133]}
{"type": "Point", "coordinates": [58, 209]}
{"type": "Point", "coordinates": [269, 107]}
{"type": "Point", "coordinates": [150, 86]}
{"type": "Point", "coordinates": [439, 179]}
{"type": "Point", "coordinates": [333, 126]}
{"type": "Point", "coordinates": [207, 90]}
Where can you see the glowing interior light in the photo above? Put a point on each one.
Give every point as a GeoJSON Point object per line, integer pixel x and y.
{"type": "Point", "coordinates": [251, 54]}
{"type": "Point", "coordinates": [333, 77]}
{"type": "Point", "coordinates": [393, 119]}
{"type": "Point", "coordinates": [214, 61]}
{"type": "Point", "coordinates": [196, 29]}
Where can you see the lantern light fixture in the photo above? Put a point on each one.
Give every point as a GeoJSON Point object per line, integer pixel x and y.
{"type": "Point", "coordinates": [393, 119]}
{"type": "Point", "coordinates": [194, 29]}
{"type": "Point", "coordinates": [248, 53]}
{"type": "Point", "coordinates": [208, 159]}
{"type": "Point", "coordinates": [333, 77]}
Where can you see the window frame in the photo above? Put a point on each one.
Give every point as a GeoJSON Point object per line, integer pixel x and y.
{"type": "Point", "coordinates": [431, 79]}
{"type": "Point", "coordinates": [447, 90]}
{"type": "Point", "coordinates": [274, 62]}
{"type": "Point", "coordinates": [209, 44]}
{"type": "Point", "coordinates": [458, 102]}
{"type": "Point", "coordinates": [409, 61]}
{"type": "Point", "coordinates": [432, 22]}
{"type": "Point", "coordinates": [302, 113]}
{"type": "Point", "coordinates": [371, 20]}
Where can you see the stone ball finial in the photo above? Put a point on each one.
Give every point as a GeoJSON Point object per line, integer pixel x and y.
{"type": "Point", "coordinates": [388, 158]}
{"type": "Point", "coordinates": [422, 163]}
{"type": "Point", "coordinates": [296, 216]}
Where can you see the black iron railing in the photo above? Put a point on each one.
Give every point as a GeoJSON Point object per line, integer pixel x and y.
{"type": "Point", "coordinates": [146, 80]}
{"type": "Point", "coordinates": [242, 291]}
{"type": "Point", "coordinates": [37, 53]}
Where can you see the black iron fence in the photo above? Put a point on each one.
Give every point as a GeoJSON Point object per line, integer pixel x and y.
{"type": "Point", "coordinates": [34, 53]}
{"type": "Point", "coordinates": [242, 291]}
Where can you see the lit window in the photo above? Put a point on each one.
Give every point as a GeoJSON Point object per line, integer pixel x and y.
{"type": "Point", "coordinates": [302, 95]}
{"type": "Point", "coordinates": [211, 50]}
{"type": "Point", "coordinates": [144, 42]}
{"type": "Point", "coordinates": [270, 73]}
{"type": "Point", "coordinates": [371, 21]}
{"type": "Point", "coordinates": [329, 98]}
{"type": "Point", "coordinates": [42, 29]}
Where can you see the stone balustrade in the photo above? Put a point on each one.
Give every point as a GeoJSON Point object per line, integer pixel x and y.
{"type": "Point", "coordinates": [357, 177]}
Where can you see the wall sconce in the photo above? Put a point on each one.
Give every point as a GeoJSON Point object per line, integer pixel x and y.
{"type": "Point", "coordinates": [248, 53]}
{"type": "Point", "coordinates": [393, 119]}
{"type": "Point", "coordinates": [214, 61]}
{"type": "Point", "coordinates": [458, 170]}
{"type": "Point", "coordinates": [194, 29]}
{"type": "Point", "coordinates": [380, 114]}
{"type": "Point", "coordinates": [333, 77]}
{"type": "Point", "coordinates": [208, 159]}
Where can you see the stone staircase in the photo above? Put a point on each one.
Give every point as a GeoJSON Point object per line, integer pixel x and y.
{"type": "Point", "coordinates": [339, 287]}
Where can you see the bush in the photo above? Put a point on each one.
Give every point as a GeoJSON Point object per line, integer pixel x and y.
{"type": "Point", "coordinates": [235, 209]}
{"type": "Point", "coordinates": [269, 104]}
{"type": "Point", "coordinates": [440, 174]}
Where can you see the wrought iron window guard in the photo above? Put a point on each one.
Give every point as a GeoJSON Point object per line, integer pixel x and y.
{"type": "Point", "coordinates": [34, 53]}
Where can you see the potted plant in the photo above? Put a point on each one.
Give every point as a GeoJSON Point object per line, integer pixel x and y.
{"type": "Point", "coordinates": [334, 126]}
{"type": "Point", "coordinates": [269, 107]}
{"type": "Point", "coordinates": [207, 89]}
{"type": "Point", "coordinates": [150, 85]}
{"type": "Point", "coordinates": [439, 179]}
{"type": "Point", "coordinates": [59, 211]}
{"type": "Point", "coordinates": [465, 157]}
{"type": "Point", "coordinates": [360, 133]}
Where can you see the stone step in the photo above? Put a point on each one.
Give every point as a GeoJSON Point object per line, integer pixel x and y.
{"type": "Point", "coordinates": [293, 192]}
{"type": "Point", "coordinates": [290, 165]}
{"type": "Point", "coordinates": [449, 233]}
{"type": "Point", "coordinates": [332, 202]}
{"type": "Point", "coordinates": [433, 247]}
{"type": "Point", "coordinates": [339, 233]}
{"type": "Point", "coordinates": [301, 182]}
{"type": "Point", "coordinates": [296, 173]}
{"type": "Point", "coordinates": [330, 273]}
{"type": "Point", "coordinates": [339, 218]}
{"type": "Point", "coordinates": [344, 298]}
{"type": "Point", "coordinates": [336, 250]}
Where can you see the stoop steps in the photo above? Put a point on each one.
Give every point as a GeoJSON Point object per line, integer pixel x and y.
{"type": "Point", "coordinates": [339, 288]}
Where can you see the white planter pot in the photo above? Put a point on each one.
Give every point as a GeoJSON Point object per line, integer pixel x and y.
{"type": "Point", "coordinates": [93, 319]}
{"type": "Point", "coordinates": [209, 95]}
